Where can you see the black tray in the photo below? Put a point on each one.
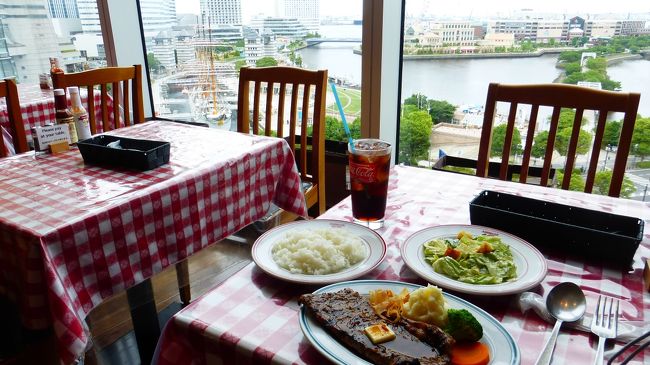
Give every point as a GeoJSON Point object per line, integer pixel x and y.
{"type": "Point", "coordinates": [138, 154]}
{"type": "Point", "coordinates": [557, 228]}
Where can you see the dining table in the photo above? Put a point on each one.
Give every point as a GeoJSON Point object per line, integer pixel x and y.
{"type": "Point", "coordinates": [74, 234]}
{"type": "Point", "coordinates": [253, 317]}
{"type": "Point", "coordinates": [37, 109]}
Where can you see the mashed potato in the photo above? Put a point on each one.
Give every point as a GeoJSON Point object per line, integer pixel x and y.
{"type": "Point", "coordinates": [426, 305]}
{"type": "Point", "coordinates": [318, 251]}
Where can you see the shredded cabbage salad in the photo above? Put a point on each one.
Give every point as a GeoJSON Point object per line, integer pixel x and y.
{"type": "Point", "coordinates": [482, 259]}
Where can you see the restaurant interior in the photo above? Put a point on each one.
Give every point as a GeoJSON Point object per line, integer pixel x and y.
{"type": "Point", "coordinates": [127, 237]}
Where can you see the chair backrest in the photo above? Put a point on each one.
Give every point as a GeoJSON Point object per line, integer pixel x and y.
{"type": "Point", "coordinates": [295, 83]}
{"type": "Point", "coordinates": [118, 78]}
{"type": "Point", "coordinates": [559, 96]}
{"type": "Point", "coordinates": [9, 91]}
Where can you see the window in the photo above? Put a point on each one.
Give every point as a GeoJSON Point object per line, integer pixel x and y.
{"type": "Point", "coordinates": [445, 75]}
{"type": "Point", "coordinates": [195, 49]}
{"type": "Point", "coordinates": [32, 31]}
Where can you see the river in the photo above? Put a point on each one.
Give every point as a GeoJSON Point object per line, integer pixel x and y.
{"type": "Point", "coordinates": [463, 81]}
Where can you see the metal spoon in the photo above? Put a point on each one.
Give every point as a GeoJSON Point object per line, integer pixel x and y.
{"type": "Point", "coordinates": [566, 302]}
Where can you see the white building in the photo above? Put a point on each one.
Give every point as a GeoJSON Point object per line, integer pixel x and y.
{"type": "Point", "coordinates": [221, 12]}
{"type": "Point", "coordinates": [493, 40]}
{"type": "Point", "coordinates": [63, 9]}
{"type": "Point", "coordinates": [30, 37]}
{"type": "Point", "coordinates": [447, 34]}
{"type": "Point", "coordinates": [306, 11]}
{"type": "Point", "coordinates": [257, 47]}
{"type": "Point", "coordinates": [89, 16]}
{"type": "Point", "coordinates": [290, 28]}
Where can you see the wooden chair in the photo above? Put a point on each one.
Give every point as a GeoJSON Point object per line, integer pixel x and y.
{"type": "Point", "coordinates": [116, 77]}
{"type": "Point", "coordinates": [292, 82]}
{"type": "Point", "coordinates": [559, 96]}
{"type": "Point", "coordinates": [9, 91]}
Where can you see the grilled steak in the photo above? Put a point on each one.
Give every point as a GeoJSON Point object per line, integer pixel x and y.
{"type": "Point", "coordinates": [345, 314]}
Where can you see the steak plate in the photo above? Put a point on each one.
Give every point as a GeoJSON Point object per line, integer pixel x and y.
{"type": "Point", "coordinates": [346, 313]}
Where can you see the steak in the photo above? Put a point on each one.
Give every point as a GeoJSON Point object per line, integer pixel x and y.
{"type": "Point", "coordinates": [345, 314]}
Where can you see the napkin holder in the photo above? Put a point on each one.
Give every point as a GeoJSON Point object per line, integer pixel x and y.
{"type": "Point", "coordinates": [137, 154]}
{"type": "Point", "coordinates": [558, 228]}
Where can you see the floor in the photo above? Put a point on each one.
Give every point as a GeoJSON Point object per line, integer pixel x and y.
{"type": "Point", "coordinates": [110, 323]}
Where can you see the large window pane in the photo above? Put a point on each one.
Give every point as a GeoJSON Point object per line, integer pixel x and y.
{"type": "Point", "coordinates": [32, 31]}
{"type": "Point", "coordinates": [194, 58]}
{"type": "Point", "coordinates": [452, 53]}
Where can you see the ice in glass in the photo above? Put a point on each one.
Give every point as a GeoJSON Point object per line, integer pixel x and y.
{"type": "Point", "coordinates": [369, 169]}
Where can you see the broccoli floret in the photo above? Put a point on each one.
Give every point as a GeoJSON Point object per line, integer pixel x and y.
{"type": "Point", "coordinates": [462, 326]}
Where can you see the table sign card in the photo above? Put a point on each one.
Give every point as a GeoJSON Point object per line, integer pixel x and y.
{"type": "Point", "coordinates": [49, 134]}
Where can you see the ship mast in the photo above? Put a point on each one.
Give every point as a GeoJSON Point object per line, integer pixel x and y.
{"type": "Point", "coordinates": [212, 72]}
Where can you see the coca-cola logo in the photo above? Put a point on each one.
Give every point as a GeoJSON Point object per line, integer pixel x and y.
{"type": "Point", "coordinates": [363, 172]}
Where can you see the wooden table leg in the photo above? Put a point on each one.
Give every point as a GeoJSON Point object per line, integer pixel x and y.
{"type": "Point", "coordinates": [183, 278]}
{"type": "Point", "coordinates": [145, 319]}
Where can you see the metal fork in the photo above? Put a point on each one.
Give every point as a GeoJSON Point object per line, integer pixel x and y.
{"type": "Point", "coordinates": [604, 324]}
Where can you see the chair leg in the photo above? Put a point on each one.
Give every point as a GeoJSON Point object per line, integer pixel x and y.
{"type": "Point", "coordinates": [183, 278]}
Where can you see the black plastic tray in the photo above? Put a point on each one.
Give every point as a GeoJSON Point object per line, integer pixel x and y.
{"type": "Point", "coordinates": [558, 228]}
{"type": "Point", "coordinates": [138, 154]}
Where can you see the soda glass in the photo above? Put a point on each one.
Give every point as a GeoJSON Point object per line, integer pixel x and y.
{"type": "Point", "coordinates": [369, 169]}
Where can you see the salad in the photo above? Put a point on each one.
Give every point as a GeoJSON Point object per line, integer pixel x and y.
{"type": "Point", "coordinates": [482, 259]}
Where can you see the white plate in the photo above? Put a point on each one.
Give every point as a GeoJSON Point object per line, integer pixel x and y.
{"type": "Point", "coordinates": [374, 244]}
{"type": "Point", "coordinates": [531, 264]}
{"type": "Point", "coordinates": [503, 349]}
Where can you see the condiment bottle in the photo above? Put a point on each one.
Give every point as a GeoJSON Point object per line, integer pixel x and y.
{"type": "Point", "coordinates": [80, 114]}
{"type": "Point", "coordinates": [63, 114]}
{"type": "Point", "coordinates": [54, 66]}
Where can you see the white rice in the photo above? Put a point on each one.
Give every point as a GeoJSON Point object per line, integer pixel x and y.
{"type": "Point", "coordinates": [318, 251]}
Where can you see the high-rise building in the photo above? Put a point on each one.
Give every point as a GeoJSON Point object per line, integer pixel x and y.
{"type": "Point", "coordinates": [306, 11]}
{"type": "Point", "coordinates": [89, 16]}
{"type": "Point", "coordinates": [221, 12]}
{"type": "Point", "coordinates": [63, 8]}
{"type": "Point", "coordinates": [157, 16]}
{"type": "Point", "coordinates": [29, 36]}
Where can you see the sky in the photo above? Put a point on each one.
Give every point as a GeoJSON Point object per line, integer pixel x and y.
{"type": "Point", "coordinates": [473, 8]}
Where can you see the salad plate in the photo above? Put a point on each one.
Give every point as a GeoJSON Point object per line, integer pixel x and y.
{"type": "Point", "coordinates": [502, 347]}
{"type": "Point", "coordinates": [375, 249]}
{"type": "Point", "coordinates": [530, 264]}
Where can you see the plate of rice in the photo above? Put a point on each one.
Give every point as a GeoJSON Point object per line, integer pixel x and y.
{"type": "Point", "coordinates": [318, 251]}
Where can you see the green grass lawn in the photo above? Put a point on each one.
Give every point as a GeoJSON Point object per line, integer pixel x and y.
{"type": "Point", "coordinates": [350, 100]}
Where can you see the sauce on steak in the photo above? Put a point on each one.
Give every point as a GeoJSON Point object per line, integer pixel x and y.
{"type": "Point", "coordinates": [346, 313]}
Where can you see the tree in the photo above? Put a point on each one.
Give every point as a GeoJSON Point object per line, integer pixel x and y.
{"type": "Point", "coordinates": [239, 64]}
{"type": "Point", "coordinates": [641, 137]}
{"type": "Point", "coordinates": [153, 62]}
{"type": "Point", "coordinates": [570, 56]}
{"type": "Point", "coordinates": [441, 111]}
{"type": "Point", "coordinates": [572, 67]}
{"type": "Point", "coordinates": [564, 136]}
{"type": "Point", "coordinates": [499, 137]}
{"type": "Point", "coordinates": [414, 137]}
{"type": "Point", "coordinates": [266, 62]}
{"type": "Point", "coordinates": [604, 178]}
{"type": "Point", "coordinates": [419, 100]}
{"type": "Point", "coordinates": [577, 183]}
{"type": "Point", "coordinates": [539, 145]}
{"type": "Point", "coordinates": [566, 119]}
{"type": "Point", "coordinates": [612, 133]}
{"type": "Point", "coordinates": [597, 64]}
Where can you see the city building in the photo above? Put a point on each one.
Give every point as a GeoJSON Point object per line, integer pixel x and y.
{"type": "Point", "coordinates": [447, 35]}
{"type": "Point", "coordinates": [289, 28]}
{"type": "Point", "coordinates": [7, 65]}
{"type": "Point", "coordinates": [221, 12]}
{"type": "Point", "coordinates": [30, 38]}
{"type": "Point", "coordinates": [259, 46]}
{"type": "Point", "coordinates": [306, 11]}
{"type": "Point", "coordinates": [89, 16]}
{"type": "Point", "coordinates": [63, 8]}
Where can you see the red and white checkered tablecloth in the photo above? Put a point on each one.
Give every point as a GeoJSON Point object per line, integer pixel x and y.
{"type": "Point", "coordinates": [72, 235]}
{"type": "Point", "coordinates": [37, 108]}
{"type": "Point", "coordinates": [252, 318]}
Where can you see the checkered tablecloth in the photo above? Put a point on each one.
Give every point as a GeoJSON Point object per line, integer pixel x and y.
{"type": "Point", "coordinates": [72, 235]}
{"type": "Point", "coordinates": [37, 108]}
{"type": "Point", "coordinates": [252, 318]}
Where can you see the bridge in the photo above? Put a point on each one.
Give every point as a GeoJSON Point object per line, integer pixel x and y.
{"type": "Point", "coordinates": [313, 41]}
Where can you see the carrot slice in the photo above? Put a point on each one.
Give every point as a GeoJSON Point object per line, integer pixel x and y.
{"type": "Point", "coordinates": [473, 353]}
